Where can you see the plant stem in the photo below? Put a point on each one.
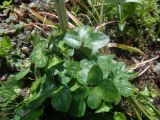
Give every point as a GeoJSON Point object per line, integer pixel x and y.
{"type": "Point", "coordinates": [156, 111]}
{"type": "Point", "coordinates": [141, 108]}
{"type": "Point", "coordinates": [62, 14]}
{"type": "Point", "coordinates": [101, 13]}
{"type": "Point", "coordinates": [136, 111]}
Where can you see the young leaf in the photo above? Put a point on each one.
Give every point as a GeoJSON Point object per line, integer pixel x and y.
{"type": "Point", "coordinates": [104, 108]}
{"type": "Point", "coordinates": [65, 80]}
{"type": "Point", "coordinates": [39, 58]}
{"type": "Point", "coordinates": [119, 116]}
{"type": "Point", "coordinates": [5, 3]}
{"type": "Point", "coordinates": [53, 61]}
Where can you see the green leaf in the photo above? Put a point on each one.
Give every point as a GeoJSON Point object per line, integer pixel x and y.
{"type": "Point", "coordinates": [34, 114]}
{"type": "Point", "coordinates": [107, 64]}
{"type": "Point", "coordinates": [75, 86]}
{"type": "Point", "coordinates": [41, 89]}
{"type": "Point", "coordinates": [22, 73]}
{"type": "Point", "coordinates": [85, 36]}
{"type": "Point", "coordinates": [5, 3]}
{"type": "Point", "coordinates": [95, 75]}
{"type": "Point", "coordinates": [124, 86]}
{"type": "Point", "coordinates": [17, 117]}
{"type": "Point", "coordinates": [94, 98]}
{"type": "Point", "coordinates": [85, 68]}
{"type": "Point", "coordinates": [121, 77]}
{"type": "Point", "coordinates": [96, 41]}
{"type": "Point", "coordinates": [121, 25]}
{"type": "Point", "coordinates": [38, 41]}
{"type": "Point", "coordinates": [61, 99]}
{"type": "Point", "coordinates": [73, 67]}
{"type": "Point", "coordinates": [38, 55]}
{"type": "Point", "coordinates": [81, 93]}
{"type": "Point", "coordinates": [39, 58]}
{"type": "Point", "coordinates": [119, 116]}
{"type": "Point", "coordinates": [109, 91]}
{"type": "Point", "coordinates": [5, 46]}
{"type": "Point", "coordinates": [53, 61]}
{"type": "Point", "coordinates": [72, 39]}
{"type": "Point", "coordinates": [104, 108]}
{"type": "Point", "coordinates": [77, 108]}
{"type": "Point", "coordinates": [130, 49]}
{"type": "Point", "coordinates": [65, 80]}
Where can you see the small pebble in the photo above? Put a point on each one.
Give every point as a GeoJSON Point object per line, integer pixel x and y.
{"type": "Point", "coordinates": [25, 50]}
{"type": "Point", "coordinates": [4, 77]}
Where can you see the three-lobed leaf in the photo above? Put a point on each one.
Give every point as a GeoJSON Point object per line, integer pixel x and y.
{"type": "Point", "coordinates": [86, 37]}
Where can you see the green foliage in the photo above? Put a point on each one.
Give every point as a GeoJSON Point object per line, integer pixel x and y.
{"type": "Point", "coordinates": [70, 84]}
{"type": "Point", "coordinates": [124, 18]}
{"type": "Point", "coordinates": [10, 91]}
{"type": "Point", "coordinates": [119, 116]}
{"type": "Point", "coordinates": [5, 46]}
{"type": "Point", "coordinates": [69, 74]}
{"type": "Point", "coordinates": [144, 102]}
{"type": "Point", "coordinates": [5, 3]}
{"type": "Point", "coordinates": [73, 85]}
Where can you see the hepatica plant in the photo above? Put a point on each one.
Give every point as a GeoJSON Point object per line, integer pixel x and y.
{"type": "Point", "coordinates": [70, 70]}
